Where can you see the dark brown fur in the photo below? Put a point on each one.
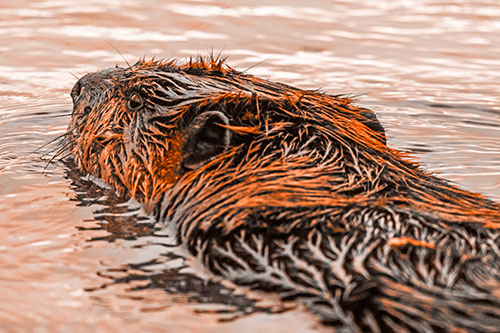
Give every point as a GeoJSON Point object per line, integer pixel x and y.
{"type": "Point", "coordinates": [292, 191]}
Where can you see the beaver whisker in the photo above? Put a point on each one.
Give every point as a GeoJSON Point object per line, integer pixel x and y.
{"type": "Point", "coordinates": [51, 142]}
{"type": "Point", "coordinates": [76, 77]}
{"type": "Point", "coordinates": [59, 152]}
{"type": "Point", "coordinates": [56, 149]}
{"type": "Point", "coordinates": [121, 54]}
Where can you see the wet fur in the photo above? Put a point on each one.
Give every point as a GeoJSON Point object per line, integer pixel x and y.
{"type": "Point", "coordinates": [307, 200]}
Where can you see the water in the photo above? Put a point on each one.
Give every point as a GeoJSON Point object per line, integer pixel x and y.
{"type": "Point", "coordinates": [75, 258]}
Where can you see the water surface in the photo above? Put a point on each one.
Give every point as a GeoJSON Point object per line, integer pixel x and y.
{"type": "Point", "coordinates": [75, 258]}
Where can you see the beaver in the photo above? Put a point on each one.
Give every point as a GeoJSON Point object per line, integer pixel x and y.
{"type": "Point", "coordinates": [293, 192]}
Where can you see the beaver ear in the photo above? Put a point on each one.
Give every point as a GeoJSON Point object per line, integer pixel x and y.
{"type": "Point", "coordinates": [206, 138]}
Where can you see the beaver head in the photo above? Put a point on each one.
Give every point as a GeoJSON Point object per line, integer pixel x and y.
{"type": "Point", "coordinates": [142, 128]}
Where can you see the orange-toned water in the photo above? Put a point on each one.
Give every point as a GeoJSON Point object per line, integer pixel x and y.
{"type": "Point", "coordinates": [73, 258]}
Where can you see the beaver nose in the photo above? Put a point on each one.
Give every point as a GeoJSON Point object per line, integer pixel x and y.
{"type": "Point", "coordinates": [97, 83]}
{"type": "Point", "coordinates": [76, 91]}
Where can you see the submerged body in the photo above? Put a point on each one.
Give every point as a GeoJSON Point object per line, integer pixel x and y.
{"type": "Point", "coordinates": [292, 191]}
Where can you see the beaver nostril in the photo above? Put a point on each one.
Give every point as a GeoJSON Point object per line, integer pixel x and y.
{"type": "Point", "coordinates": [76, 91]}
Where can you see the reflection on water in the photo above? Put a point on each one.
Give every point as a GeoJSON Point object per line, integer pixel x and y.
{"type": "Point", "coordinates": [74, 257]}
{"type": "Point", "coordinates": [158, 261]}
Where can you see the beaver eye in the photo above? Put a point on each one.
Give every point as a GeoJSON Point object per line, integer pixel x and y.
{"type": "Point", "coordinates": [135, 102]}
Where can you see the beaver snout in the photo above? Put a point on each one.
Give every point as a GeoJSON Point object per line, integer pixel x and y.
{"type": "Point", "coordinates": [82, 89]}
{"type": "Point", "coordinates": [82, 97]}
{"type": "Point", "coordinates": [76, 91]}
{"type": "Point", "coordinates": [91, 87]}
